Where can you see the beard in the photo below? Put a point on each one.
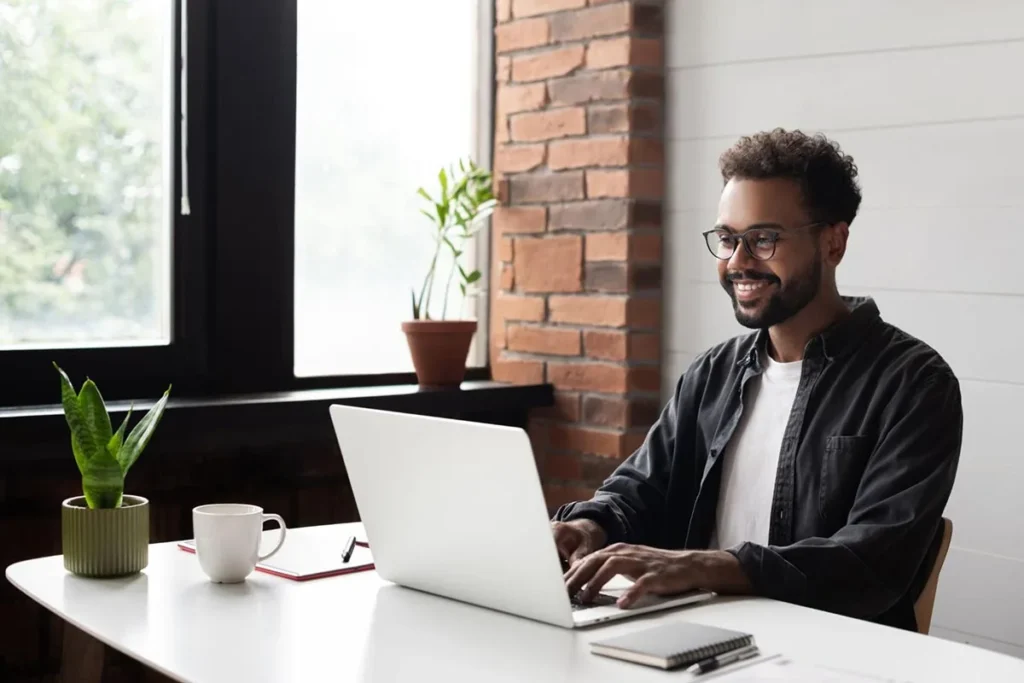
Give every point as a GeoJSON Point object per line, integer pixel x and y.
{"type": "Point", "coordinates": [789, 298]}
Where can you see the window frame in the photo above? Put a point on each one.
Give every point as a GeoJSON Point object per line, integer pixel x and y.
{"type": "Point", "coordinates": [233, 264]}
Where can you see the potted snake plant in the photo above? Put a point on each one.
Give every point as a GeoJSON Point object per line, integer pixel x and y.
{"type": "Point", "coordinates": [439, 346]}
{"type": "Point", "coordinates": [104, 532]}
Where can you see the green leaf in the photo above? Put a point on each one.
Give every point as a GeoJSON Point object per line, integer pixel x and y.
{"type": "Point", "coordinates": [432, 217]}
{"type": "Point", "coordinates": [423, 193]}
{"type": "Point", "coordinates": [103, 481]}
{"type": "Point", "coordinates": [143, 432]}
{"type": "Point", "coordinates": [462, 286]}
{"type": "Point", "coordinates": [473, 277]}
{"type": "Point", "coordinates": [94, 414]}
{"type": "Point", "coordinates": [415, 307]}
{"type": "Point", "coordinates": [442, 176]}
{"type": "Point", "coordinates": [81, 442]}
{"type": "Point", "coordinates": [117, 440]}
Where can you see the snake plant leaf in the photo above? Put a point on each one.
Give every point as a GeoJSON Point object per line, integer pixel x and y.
{"type": "Point", "coordinates": [94, 415]}
{"type": "Point", "coordinates": [117, 440]}
{"type": "Point", "coordinates": [81, 441]}
{"type": "Point", "coordinates": [141, 434]}
{"type": "Point", "coordinates": [103, 481]}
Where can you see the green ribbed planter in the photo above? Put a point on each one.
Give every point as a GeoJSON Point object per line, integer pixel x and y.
{"type": "Point", "coordinates": [107, 542]}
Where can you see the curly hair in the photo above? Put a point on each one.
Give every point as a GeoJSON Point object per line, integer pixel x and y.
{"type": "Point", "coordinates": [827, 176]}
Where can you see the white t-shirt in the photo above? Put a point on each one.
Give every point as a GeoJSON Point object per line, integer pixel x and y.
{"type": "Point", "coordinates": [752, 457]}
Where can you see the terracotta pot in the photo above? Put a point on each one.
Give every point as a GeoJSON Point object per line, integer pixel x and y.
{"type": "Point", "coordinates": [439, 349]}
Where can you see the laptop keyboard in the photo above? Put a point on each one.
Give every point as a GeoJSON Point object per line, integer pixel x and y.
{"type": "Point", "coordinates": [599, 601]}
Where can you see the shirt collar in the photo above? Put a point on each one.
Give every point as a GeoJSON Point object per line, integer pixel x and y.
{"type": "Point", "coordinates": [835, 341]}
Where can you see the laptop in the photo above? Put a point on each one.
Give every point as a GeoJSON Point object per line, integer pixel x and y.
{"type": "Point", "coordinates": [455, 508]}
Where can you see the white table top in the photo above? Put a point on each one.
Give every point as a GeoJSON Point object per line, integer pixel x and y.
{"type": "Point", "coordinates": [358, 627]}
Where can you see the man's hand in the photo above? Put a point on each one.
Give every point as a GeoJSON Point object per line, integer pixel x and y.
{"type": "Point", "coordinates": [577, 539]}
{"type": "Point", "coordinates": [656, 571]}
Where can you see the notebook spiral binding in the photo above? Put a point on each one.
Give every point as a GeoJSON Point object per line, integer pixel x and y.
{"type": "Point", "coordinates": [711, 650]}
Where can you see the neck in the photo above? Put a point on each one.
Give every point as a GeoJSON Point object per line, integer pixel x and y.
{"type": "Point", "coordinates": [788, 340]}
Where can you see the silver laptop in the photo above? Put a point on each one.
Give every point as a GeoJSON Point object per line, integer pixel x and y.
{"type": "Point", "coordinates": [455, 508]}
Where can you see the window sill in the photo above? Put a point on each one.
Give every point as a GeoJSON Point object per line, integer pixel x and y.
{"type": "Point", "coordinates": [290, 417]}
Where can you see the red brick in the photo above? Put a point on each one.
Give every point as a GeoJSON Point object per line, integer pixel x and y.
{"type": "Point", "coordinates": [639, 183]}
{"type": "Point", "coordinates": [623, 117]}
{"type": "Point", "coordinates": [519, 219]}
{"type": "Point", "coordinates": [624, 51]}
{"type": "Point", "coordinates": [644, 313]}
{"type": "Point", "coordinates": [565, 408]}
{"type": "Point", "coordinates": [590, 23]}
{"type": "Point", "coordinates": [586, 440]}
{"type": "Point", "coordinates": [511, 307]}
{"type": "Point", "coordinates": [548, 125]}
{"type": "Point", "coordinates": [647, 151]}
{"type": "Point", "coordinates": [602, 214]}
{"type": "Point", "coordinates": [621, 276]}
{"type": "Point", "coordinates": [607, 246]}
{"type": "Point", "coordinates": [506, 252]}
{"type": "Point", "coordinates": [597, 470]}
{"type": "Point", "coordinates": [529, 8]}
{"type": "Point", "coordinates": [518, 371]}
{"type": "Point", "coordinates": [632, 441]}
{"type": "Point", "coordinates": [606, 311]}
{"type": "Point", "coordinates": [501, 189]}
{"type": "Point", "coordinates": [557, 495]}
{"type": "Point", "coordinates": [498, 334]}
{"type": "Point", "coordinates": [501, 135]}
{"type": "Point", "coordinates": [521, 35]}
{"type": "Point", "coordinates": [644, 379]}
{"type": "Point", "coordinates": [565, 466]}
{"type": "Point", "coordinates": [555, 341]}
{"type": "Point", "coordinates": [602, 377]}
{"type": "Point", "coordinates": [644, 346]}
{"type": "Point", "coordinates": [591, 87]}
{"type": "Point", "coordinates": [606, 345]}
{"type": "Point", "coordinates": [546, 187]}
{"type": "Point", "coordinates": [645, 248]}
{"type": "Point", "coordinates": [518, 158]}
{"type": "Point", "coordinates": [550, 264]}
{"type": "Point", "coordinates": [537, 66]}
{"type": "Point", "coordinates": [502, 69]}
{"type": "Point", "coordinates": [502, 10]}
{"type": "Point", "coordinates": [613, 151]}
{"type": "Point", "coordinates": [516, 98]}
{"type": "Point", "coordinates": [508, 276]}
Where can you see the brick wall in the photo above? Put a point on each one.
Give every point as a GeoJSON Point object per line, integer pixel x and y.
{"type": "Point", "coordinates": [576, 273]}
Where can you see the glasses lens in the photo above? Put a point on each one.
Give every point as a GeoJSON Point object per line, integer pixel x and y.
{"type": "Point", "coordinates": [761, 243]}
{"type": "Point", "coordinates": [721, 243]}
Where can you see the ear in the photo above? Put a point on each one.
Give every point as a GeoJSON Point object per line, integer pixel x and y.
{"type": "Point", "coordinates": [835, 237]}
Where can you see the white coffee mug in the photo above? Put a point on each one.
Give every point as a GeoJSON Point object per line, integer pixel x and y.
{"type": "Point", "coordinates": [227, 538]}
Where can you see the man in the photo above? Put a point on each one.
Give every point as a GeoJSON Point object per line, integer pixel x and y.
{"type": "Point", "coordinates": [809, 461]}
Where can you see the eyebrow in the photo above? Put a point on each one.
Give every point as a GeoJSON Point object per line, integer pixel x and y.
{"type": "Point", "coordinates": [755, 226]}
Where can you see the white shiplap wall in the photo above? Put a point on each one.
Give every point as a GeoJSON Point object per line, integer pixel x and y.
{"type": "Point", "coordinates": [928, 97]}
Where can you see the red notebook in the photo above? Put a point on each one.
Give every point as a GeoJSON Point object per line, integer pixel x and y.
{"type": "Point", "coordinates": [308, 553]}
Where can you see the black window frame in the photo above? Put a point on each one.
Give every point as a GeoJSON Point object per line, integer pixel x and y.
{"type": "Point", "coordinates": [233, 254]}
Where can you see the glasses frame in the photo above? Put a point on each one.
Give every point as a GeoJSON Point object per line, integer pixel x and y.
{"type": "Point", "coordinates": [775, 229]}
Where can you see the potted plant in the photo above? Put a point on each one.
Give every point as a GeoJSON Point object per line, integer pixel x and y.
{"type": "Point", "coordinates": [104, 532]}
{"type": "Point", "coordinates": [439, 346]}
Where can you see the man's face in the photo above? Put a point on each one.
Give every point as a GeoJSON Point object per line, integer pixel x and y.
{"type": "Point", "coordinates": [768, 292]}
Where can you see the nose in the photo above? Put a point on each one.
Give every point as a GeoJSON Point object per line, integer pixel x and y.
{"type": "Point", "coordinates": [741, 259]}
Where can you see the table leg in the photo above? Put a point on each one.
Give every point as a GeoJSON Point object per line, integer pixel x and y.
{"type": "Point", "coordinates": [81, 658]}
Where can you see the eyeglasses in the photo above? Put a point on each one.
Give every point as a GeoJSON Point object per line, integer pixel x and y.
{"type": "Point", "coordinates": [759, 241]}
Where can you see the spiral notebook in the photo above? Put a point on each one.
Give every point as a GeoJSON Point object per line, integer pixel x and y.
{"type": "Point", "coordinates": [672, 645]}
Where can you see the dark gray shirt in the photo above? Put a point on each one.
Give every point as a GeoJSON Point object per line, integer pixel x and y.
{"type": "Point", "coordinates": [867, 464]}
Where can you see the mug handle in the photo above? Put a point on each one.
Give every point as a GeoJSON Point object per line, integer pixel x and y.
{"type": "Point", "coordinates": [284, 530]}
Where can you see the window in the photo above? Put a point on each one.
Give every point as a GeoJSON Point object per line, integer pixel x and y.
{"type": "Point", "coordinates": [85, 173]}
{"type": "Point", "coordinates": [299, 136]}
{"type": "Point", "coordinates": [366, 138]}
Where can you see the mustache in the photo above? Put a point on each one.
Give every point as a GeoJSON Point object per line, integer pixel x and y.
{"type": "Point", "coordinates": [732, 276]}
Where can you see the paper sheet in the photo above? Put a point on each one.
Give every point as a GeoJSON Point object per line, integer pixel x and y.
{"type": "Point", "coordinates": [786, 669]}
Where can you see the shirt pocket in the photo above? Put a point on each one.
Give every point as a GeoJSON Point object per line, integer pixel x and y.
{"type": "Point", "coordinates": [842, 465]}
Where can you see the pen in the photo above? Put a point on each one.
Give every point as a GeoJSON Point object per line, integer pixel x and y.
{"type": "Point", "coordinates": [712, 663]}
{"type": "Point", "coordinates": [350, 545]}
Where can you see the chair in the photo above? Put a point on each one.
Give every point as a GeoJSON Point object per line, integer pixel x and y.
{"type": "Point", "coordinates": [926, 601]}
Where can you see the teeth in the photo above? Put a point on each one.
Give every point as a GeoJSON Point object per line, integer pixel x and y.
{"type": "Point", "coordinates": [750, 286]}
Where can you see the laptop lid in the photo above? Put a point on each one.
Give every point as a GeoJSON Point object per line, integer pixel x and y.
{"type": "Point", "coordinates": [454, 508]}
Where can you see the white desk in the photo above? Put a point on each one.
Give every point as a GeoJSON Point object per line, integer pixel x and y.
{"type": "Point", "coordinates": [360, 628]}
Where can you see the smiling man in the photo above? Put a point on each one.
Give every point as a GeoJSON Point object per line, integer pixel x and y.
{"type": "Point", "coordinates": [808, 461]}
